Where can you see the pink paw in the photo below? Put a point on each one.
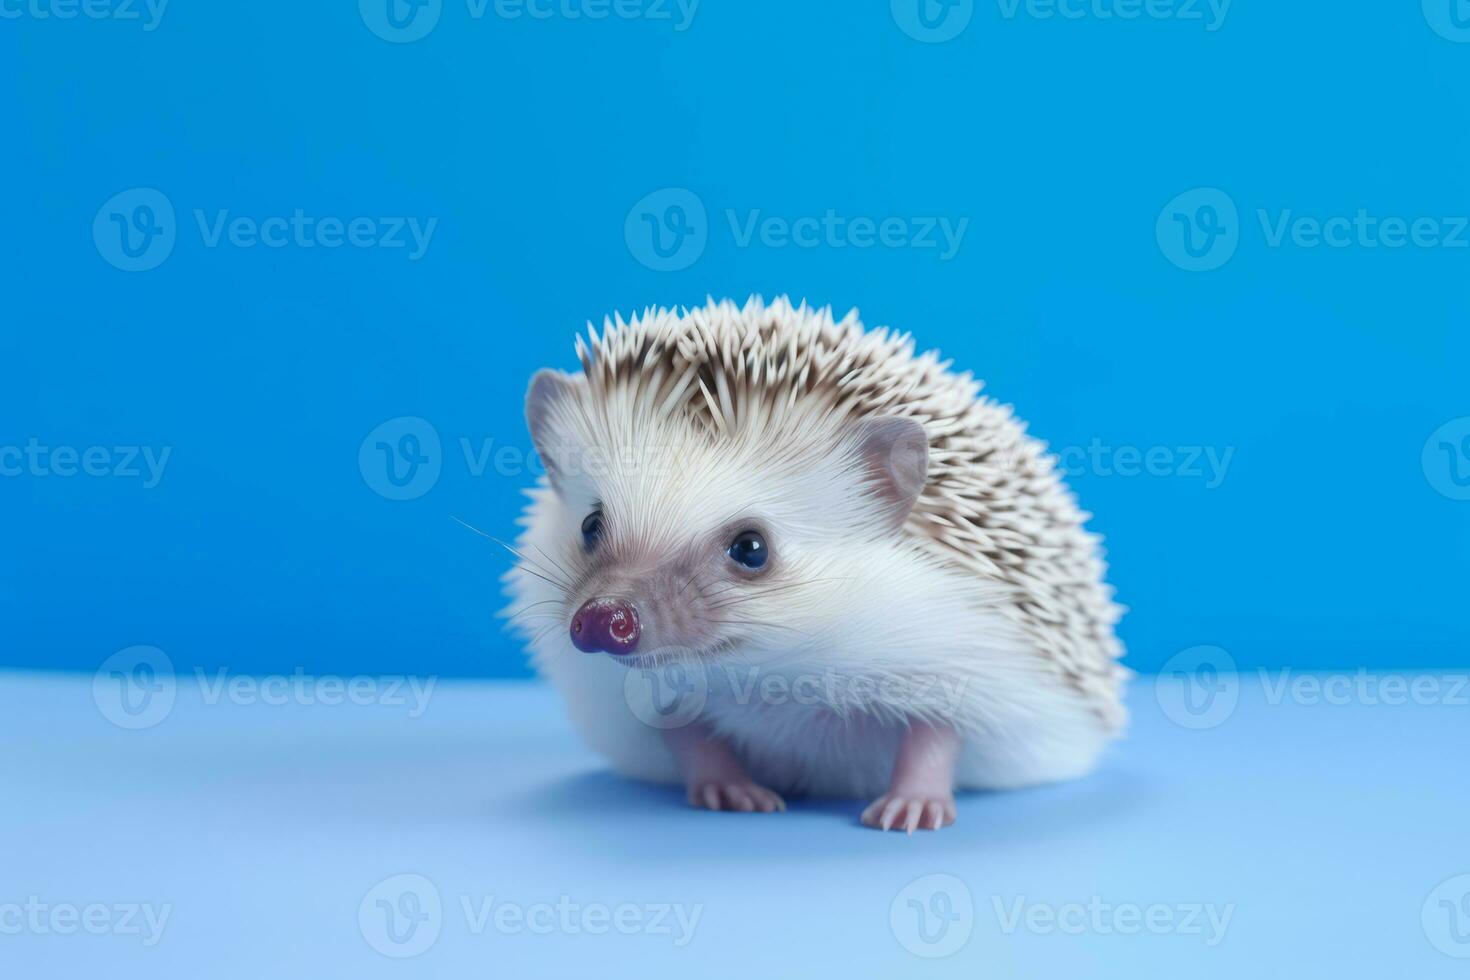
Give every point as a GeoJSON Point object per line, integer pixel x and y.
{"type": "Point", "coordinates": [893, 811]}
{"type": "Point", "coordinates": [740, 795]}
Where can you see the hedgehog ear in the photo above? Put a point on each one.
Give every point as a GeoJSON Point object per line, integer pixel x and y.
{"type": "Point", "coordinates": [548, 399]}
{"type": "Point", "coordinates": [894, 454]}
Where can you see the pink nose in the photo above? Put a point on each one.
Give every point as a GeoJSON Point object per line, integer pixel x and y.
{"type": "Point", "coordinates": [605, 625]}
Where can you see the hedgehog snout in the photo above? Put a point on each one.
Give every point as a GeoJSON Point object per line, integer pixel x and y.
{"type": "Point", "coordinates": [605, 626]}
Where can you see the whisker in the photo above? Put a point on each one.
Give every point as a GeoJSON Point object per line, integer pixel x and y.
{"type": "Point", "coordinates": [554, 584]}
{"type": "Point", "coordinates": [565, 586]}
{"type": "Point", "coordinates": [554, 563]}
{"type": "Point", "coordinates": [543, 602]}
{"type": "Point", "coordinates": [527, 561]}
{"type": "Point", "coordinates": [522, 612]}
{"type": "Point", "coordinates": [769, 591]}
{"type": "Point", "coordinates": [753, 623]}
{"type": "Point", "coordinates": [519, 621]}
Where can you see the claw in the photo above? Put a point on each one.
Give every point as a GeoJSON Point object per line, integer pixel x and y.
{"type": "Point", "coordinates": [934, 810]}
{"type": "Point", "coordinates": [742, 797]}
{"type": "Point", "coordinates": [890, 812]}
{"type": "Point", "coordinates": [767, 801]}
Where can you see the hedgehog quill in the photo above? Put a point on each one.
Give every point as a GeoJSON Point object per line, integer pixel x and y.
{"type": "Point", "coordinates": [865, 576]}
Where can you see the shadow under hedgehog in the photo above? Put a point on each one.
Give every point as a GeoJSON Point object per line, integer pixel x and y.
{"type": "Point", "coordinates": [776, 554]}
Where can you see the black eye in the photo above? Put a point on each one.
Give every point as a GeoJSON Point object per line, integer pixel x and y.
{"type": "Point", "coordinates": [749, 549]}
{"type": "Point", "coordinates": [592, 530]}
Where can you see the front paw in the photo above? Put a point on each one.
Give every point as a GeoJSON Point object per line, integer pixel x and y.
{"type": "Point", "coordinates": [742, 796]}
{"type": "Point", "coordinates": [897, 811]}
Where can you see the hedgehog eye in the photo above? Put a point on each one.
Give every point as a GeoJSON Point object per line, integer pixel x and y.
{"type": "Point", "coordinates": [592, 530]}
{"type": "Point", "coordinates": [749, 549]}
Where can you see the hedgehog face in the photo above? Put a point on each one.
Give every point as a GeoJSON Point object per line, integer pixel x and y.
{"type": "Point", "coordinates": [672, 540]}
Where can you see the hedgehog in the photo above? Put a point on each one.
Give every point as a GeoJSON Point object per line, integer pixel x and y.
{"type": "Point", "coordinates": [775, 554]}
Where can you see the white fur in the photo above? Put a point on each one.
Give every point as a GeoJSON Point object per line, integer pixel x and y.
{"type": "Point", "coordinates": [876, 628]}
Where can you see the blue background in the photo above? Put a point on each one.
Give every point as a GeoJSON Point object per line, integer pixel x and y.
{"type": "Point", "coordinates": [264, 547]}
